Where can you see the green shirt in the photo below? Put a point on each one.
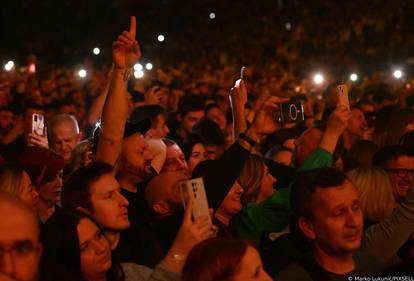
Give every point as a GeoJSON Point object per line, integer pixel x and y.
{"type": "Point", "coordinates": [273, 214]}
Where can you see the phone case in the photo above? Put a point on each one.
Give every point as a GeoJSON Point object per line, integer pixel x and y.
{"type": "Point", "coordinates": [195, 190]}
{"type": "Point", "coordinates": [343, 98]}
{"type": "Point", "coordinates": [38, 124]}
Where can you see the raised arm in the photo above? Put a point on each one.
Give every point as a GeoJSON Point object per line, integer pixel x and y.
{"type": "Point", "coordinates": [238, 100]}
{"type": "Point", "coordinates": [125, 52]}
{"type": "Point", "coordinates": [97, 106]}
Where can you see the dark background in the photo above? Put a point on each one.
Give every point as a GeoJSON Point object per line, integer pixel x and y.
{"type": "Point", "coordinates": [65, 31]}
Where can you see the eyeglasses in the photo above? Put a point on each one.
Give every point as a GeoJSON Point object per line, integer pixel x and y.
{"type": "Point", "coordinates": [401, 172]}
{"type": "Point", "coordinates": [20, 249]}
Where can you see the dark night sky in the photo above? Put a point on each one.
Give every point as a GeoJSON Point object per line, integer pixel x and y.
{"type": "Point", "coordinates": [63, 31]}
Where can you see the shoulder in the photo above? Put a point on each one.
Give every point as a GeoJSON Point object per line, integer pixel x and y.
{"type": "Point", "coordinates": [135, 272]}
{"type": "Point", "coordinates": [293, 271]}
{"type": "Point", "coordinates": [366, 264]}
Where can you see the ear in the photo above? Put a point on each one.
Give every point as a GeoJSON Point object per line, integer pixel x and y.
{"type": "Point", "coordinates": [161, 208]}
{"type": "Point", "coordinates": [307, 228]}
{"type": "Point", "coordinates": [80, 136]}
{"type": "Point", "coordinates": [83, 210]}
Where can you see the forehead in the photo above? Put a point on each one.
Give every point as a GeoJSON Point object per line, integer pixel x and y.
{"type": "Point", "coordinates": [195, 114]}
{"type": "Point", "coordinates": [214, 111]}
{"type": "Point", "coordinates": [160, 118]}
{"type": "Point", "coordinates": [198, 147]}
{"type": "Point", "coordinates": [104, 184]}
{"type": "Point", "coordinates": [16, 225]}
{"type": "Point", "coordinates": [86, 228]}
{"type": "Point", "coordinates": [134, 141]}
{"type": "Point", "coordinates": [403, 162]}
{"type": "Point", "coordinates": [174, 150]}
{"type": "Point", "coordinates": [332, 197]}
{"type": "Point", "coordinates": [66, 127]}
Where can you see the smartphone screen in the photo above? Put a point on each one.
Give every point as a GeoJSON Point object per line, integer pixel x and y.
{"type": "Point", "coordinates": [343, 98]}
{"type": "Point", "coordinates": [38, 124]}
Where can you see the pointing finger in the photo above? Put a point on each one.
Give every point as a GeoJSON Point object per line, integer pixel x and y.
{"type": "Point", "coordinates": [133, 27]}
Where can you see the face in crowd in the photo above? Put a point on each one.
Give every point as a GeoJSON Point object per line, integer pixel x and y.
{"type": "Point", "coordinates": [136, 157]}
{"type": "Point", "coordinates": [63, 139]}
{"type": "Point", "coordinates": [50, 192]}
{"type": "Point", "coordinates": [95, 253]}
{"type": "Point", "coordinates": [20, 248]}
{"type": "Point", "coordinates": [357, 123]}
{"type": "Point", "coordinates": [190, 119]}
{"type": "Point", "coordinates": [336, 223]}
{"type": "Point", "coordinates": [400, 172]}
{"type": "Point", "coordinates": [175, 160]}
{"type": "Point", "coordinates": [198, 154]}
{"type": "Point", "coordinates": [109, 207]}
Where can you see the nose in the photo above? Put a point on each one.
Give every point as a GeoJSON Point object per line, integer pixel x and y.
{"type": "Point", "coordinates": [7, 265]}
{"type": "Point", "coordinates": [122, 200]}
{"type": "Point", "coordinates": [352, 218]}
{"type": "Point", "coordinates": [35, 194]}
{"type": "Point", "coordinates": [100, 245]}
{"type": "Point", "coordinates": [273, 179]}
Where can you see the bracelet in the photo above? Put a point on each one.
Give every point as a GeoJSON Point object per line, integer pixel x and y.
{"type": "Point", "coordinates": [247, 139]}
{"type": "Point", "coordinates": [127, 74]}
{"type": "Point", "coordinates": [177, 258]}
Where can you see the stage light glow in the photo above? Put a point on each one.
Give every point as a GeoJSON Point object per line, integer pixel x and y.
{"type": "Point", "coordinates": [9, 65]}
{"type": "Point", "coordinates": [288, 26]}
{"type": "Point", "coordinates": [137, 66]}
{"type": "Point", "coordinates": [318, 79]}
{"type": "Point", "coordinates": [353, 77]}
{"type": "Point", "coordinates": [161, 38]}
{"type": "Point", "coordinates": [138, 74]}
{"type": "Point", "coordinates": [96, 51]}
{"type": "Point", "coordinates": [397, 74]}
{"type": "Point", "coordinates": [82, 73]}
{"type": "Point", "coordinates": [148, 66]}
{"type": "Point", "coordinates": [212, 16]}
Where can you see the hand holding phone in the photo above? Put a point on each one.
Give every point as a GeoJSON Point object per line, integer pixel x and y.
{"type": "Point", "coordinates": [194, 190]}
{"type": "Point", "coordinates": [343, 98]}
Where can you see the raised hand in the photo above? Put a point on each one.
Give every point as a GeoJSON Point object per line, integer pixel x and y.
{"type": "Point", "coordinates": [338, 121]}
{"type": "Point", "coordinates": [191, 233]}
{"type": "Point", "coordinates": [265, 121]}
{"type": "Point", "coordinates": [36, 140]}
{"type": "Point", "coordinates": [153, 96]}
{"type": "Point", "coordinates": [238, 95]}
{"type": "Point", "coordinates": [125, 50]}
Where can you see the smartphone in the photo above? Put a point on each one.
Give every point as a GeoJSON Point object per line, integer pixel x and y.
{"type": "Point", "coordinates": [38, 124]}
{"type": "Point", "coordinates": [343, 98]}
{"type": "Point", "coordinates": [242, 70]}
{"type": "Point", "coordinates": [194, 189]}
{"type": "Point", "coordinates": [291, 111]}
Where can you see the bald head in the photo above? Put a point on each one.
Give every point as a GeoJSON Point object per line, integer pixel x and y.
{"type": "Point", "coordinates": [19, 232]}
{"type": "Point", "coordinates": [163, 192]}
{"type": "Point", "coordinates": [63, 134]}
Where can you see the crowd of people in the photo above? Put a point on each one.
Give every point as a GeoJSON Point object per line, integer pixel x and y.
{"type": "Point", "coordinates": [96, 194]}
